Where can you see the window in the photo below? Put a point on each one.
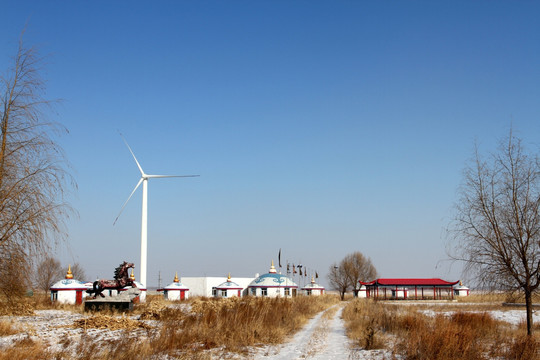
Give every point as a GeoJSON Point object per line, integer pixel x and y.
{"type": "Point", "coordinates": [287, 291]}
{"type": "Point", "coordinates": [308, 292]}
{"type": "Point", "coordinates": [214, 291]}
{"type": "Point", "coordinates": [253, 291]}
{"type": "Point", "coordinates": [223, 293]}
{"type": "Point", "coordinates": [264, 291]}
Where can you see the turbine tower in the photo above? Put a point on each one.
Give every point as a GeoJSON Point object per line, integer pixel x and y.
{"type": "Point", "coordinates": [144, 220]}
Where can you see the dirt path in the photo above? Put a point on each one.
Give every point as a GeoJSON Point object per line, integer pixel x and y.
{"type": "Point", "coordinates": [322, 338]}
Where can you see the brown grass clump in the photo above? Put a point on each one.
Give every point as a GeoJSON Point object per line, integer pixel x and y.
{"type": "Point", "coordinates": [523, 347]}
{"type": "Point", "coordinates": [367, 322]}
{"type": "Point", "coordinates": [465, 336]}
{"type": "Point", "coordinates": [446, 338]}
{"type": "Point", "coordinates": [8, 328]}
{"type": "Point", "coordinates": [151, 309]}
{"type": "Point", "coordinates": [26, 349]}
{"type": "Point", "coordinates": [100, 321]}
{"type": "Point", "coordinates": [21, 309]}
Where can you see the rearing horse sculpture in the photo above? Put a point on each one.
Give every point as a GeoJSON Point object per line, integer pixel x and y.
{"type": "Point", "coordinates": [121, 280]}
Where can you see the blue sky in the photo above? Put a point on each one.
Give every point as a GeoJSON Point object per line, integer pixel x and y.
{"type": "Point", "coordinates": [318, 127]}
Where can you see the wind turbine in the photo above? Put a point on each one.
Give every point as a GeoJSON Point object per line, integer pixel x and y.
{"type": "Point", "coordinates": [144, 221]}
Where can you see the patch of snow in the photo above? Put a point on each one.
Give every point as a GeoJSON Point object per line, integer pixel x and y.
{"type": "Point", "coordinates": [321, 339]}
{"type": "Point", "coordinates": [514, 317]}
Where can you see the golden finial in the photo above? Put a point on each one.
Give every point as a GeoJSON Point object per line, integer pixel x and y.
{"type": "Point", "coordinates": [312, 280]}
{"type": "Point", "coordinates": [176, 277]}
{"type": "Point", "coordinates": [460, 283]}
{"type": "Point", "coordinates": [69, 274]}
{"type": "Point", "coordinates": [229, 277]}
{"type": "Point", "coordinates": [132, 276]}
{"type": "Point", "coordinates": [272, 268]}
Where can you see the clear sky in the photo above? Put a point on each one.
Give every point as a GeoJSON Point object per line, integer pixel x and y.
{"type": "Point", "coordinates": [318, 127]}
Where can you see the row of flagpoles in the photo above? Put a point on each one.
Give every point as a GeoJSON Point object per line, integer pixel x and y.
{"type": "Point", "coordinates": [298, 269]}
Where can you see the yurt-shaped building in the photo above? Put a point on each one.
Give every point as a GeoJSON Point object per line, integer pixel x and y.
{"type": "Point", "coordinates": [228, 289]}
{"type": "Point", "coordinates": [141, 287]}
{"type": "Point", "coordinates": [313, 288]}
{"type": "Point", "coordinates": [68, 290]}
{"type": "Point", "coordinates": [461, 290]}
{"type": "Point", "coordinates": [175, 291]}
{"type": "Point", "coordinates": [273, 285]}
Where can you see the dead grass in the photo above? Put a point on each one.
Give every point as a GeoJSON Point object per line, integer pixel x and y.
{"type": "Point", "coordinates": [497, 297]}
{"type": "Point", "coordinates": [8, 327]}
{"type": "Point", "coordinates": [26, 349]}
{"type": "Point", "coordinates": [461, 335]}
{"type": "Point", "coordinates": [366, 321]}
{"type": "Point", "coordinates": [108, 322]}
{"type": "Point", "coordinates": [27, 306]}
{"type": "Point", "coordinates": [522, 347]}
{"type": "Point", "coordinates": [233, 324]}
{"type": "Point", "coordinates": [183, 331]}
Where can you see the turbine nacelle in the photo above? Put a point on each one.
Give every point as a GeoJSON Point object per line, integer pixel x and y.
{"type": "Point", "coordinates": [144, 177]}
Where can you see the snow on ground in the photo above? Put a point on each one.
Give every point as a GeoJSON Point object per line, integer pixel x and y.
{"type": "Point", "coordinates": [514, 317]}
{"type": "Point", "coordinates": [321, 339]}
{"type": "Point", "coordinates": [54, 329]}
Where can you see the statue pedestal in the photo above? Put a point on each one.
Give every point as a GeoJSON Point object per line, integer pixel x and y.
{"type": "Point", "coordinates": [123, 301]}
{"type": "Point", "coordinates": [107, 304]}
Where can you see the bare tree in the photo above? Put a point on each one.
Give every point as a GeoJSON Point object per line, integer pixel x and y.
{"type": "Point", "coordinates": [47, 272]}
{"type": "Point", "coordinates": [338, 279]}
{"type": "Point", "coordinates": [497, 228]}
{"type": "Point", "coordinates": [353, 268]}
{"type": "Point", "coordinates": [33, 175]}
{"type": "Point", "coordinates": [14, 275]}
{"type": "Point", "coordinates": [358, 268]}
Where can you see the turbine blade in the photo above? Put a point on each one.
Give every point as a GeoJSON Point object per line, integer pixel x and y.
{"type": "Point", "coordinates": [170, 176]}
{"type": "Point", "coordinates": [123, 206]}
{"type": "Point", "coordinates": [132, 154]}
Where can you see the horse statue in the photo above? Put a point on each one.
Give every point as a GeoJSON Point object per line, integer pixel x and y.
{"type": "Point", "coordinates": [121, 280]}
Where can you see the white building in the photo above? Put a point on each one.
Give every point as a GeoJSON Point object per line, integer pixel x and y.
{"type": "Point", "coordinates": [175, 291]}
{"type": "Point", "coordinates": [313, 288]}
{"type": "Point", "coordinates": [228, 289]}
{"type": "Point", "coordinates": [461, 290]}
{"type": "Point", "coordinates": [207, 285]}
{"type": "Point", "coordinates": [273, 285]}
{"type": "Point", "coordinates": [69, 290]}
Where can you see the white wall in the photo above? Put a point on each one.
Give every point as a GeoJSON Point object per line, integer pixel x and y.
{"type": "Point", "coordinates": [202, 286]}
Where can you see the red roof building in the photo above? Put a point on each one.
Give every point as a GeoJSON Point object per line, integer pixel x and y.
{"type": "Point", "coordinates": [433, 289]}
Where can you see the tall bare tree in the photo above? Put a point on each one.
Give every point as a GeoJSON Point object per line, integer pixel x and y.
{"type": "Point", "coordinates": [358, 268]}
{"type": "Point", "coordinates": [353, 268]}
{"type": "Point", "coordinates": [47, 272]}
{"type": "Point", "coordinates": [497, 227]}
{"type": "Point", "coordinates": [338, 279]}
{"type": "Point", "coordinates": [33, 169]}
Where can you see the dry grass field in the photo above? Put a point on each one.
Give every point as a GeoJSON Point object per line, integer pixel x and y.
{"type": "Point", "coordinates": [416, 331]}
{"type": "Point", "coordinates": [194, 329]}
{"type": "Point", "coordinates": [207, 328]}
